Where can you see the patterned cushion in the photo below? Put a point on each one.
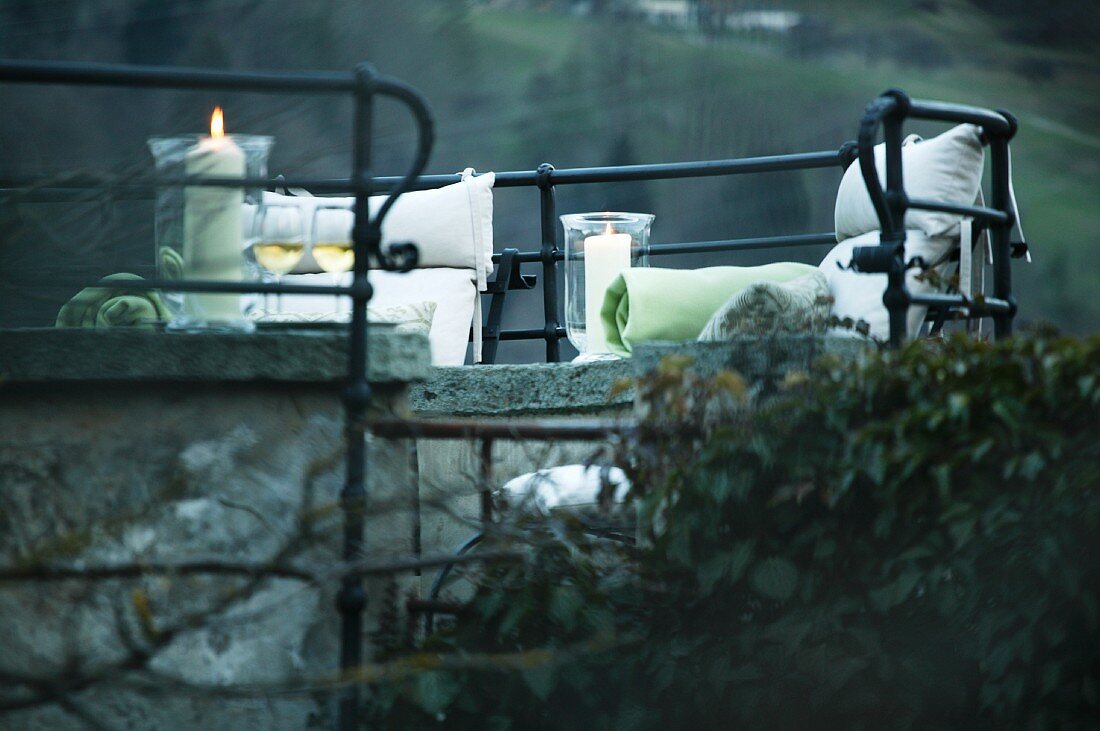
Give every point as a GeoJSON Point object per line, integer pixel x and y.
{"type": "Point", "coordinates": [407, 318]}
{"type": "Point", "coordinates": [801, 305]}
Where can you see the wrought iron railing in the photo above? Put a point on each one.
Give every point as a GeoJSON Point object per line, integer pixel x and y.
{"type": "Point", "coordinates": [363, 85]}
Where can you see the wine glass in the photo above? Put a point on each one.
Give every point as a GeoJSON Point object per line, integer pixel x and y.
{"type": "Point", "coordinates": [280, 241]}
{"type": "Point", "coordinates": [332, 246]}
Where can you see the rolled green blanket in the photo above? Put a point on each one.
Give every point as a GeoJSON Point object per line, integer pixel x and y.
{"type": "Point", "coordinates": [645, 304]}
{"type": "Point", "coordinates": [106, 307]}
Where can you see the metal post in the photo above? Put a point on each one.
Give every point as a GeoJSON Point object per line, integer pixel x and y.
{"type": "Point", "coordinates": [896, 297]}
{"type": "Point", "coordinates": [547, 251]}
{"type": "Point", "coordinates": [352, 599]}
{"type": "Point", "coordinates": [999, 234]}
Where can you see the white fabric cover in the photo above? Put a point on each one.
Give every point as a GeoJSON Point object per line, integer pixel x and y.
{"type": "Point", "coordinates": [451, 226]}
{"type": "Point", "coordinates": [859, 296]}
{"type": "Point", "coordinates": [946, 168]}
{"type": "Point", "coordinates": [566, 486]}
{"type": "Point", "coordinates": [452, 290]}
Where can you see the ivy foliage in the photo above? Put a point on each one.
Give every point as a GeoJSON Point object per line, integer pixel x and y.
{"type": "Point", "coordinates": [911, 541]}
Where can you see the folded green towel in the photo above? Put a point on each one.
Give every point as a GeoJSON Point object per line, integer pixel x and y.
{"type": "Point", "coordinates": [106, 307]}
{"type": "Point", "coordinates": [645, 304]}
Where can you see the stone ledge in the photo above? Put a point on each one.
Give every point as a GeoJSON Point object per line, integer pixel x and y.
{"type": "Point", "coordinates": [549, 389]}
{"type": "Point", "coordinates": [38, 355]}
{"type": "Point", "coordinates": [755, 358]}
{"type": "Point", "coordinates": [517, 390]}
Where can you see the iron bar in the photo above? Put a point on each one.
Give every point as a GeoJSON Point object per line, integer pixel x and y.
{"type": "Point", "coordinates": [982, 307]}
{"type": "Point", "coordinates": [992, 122]}
{"type": "Point", "coordinates": [531, 334]}
{"type": "Point", "coordinates": [981, 212]}
{"type": "Point", "coordinates": [130, 187]}
{"type": "Point", "coordinates": [698, 247]}
{"type": "Point", "coordinates": [352, 600]}
{"type": "Point", "coordinates": [896, 297]}
{"type": "Point", "coordinates": [652, 171]}
{"type": "Point", "coordinates": [109, 74]}
{"type": "Point", "coordinates": [548, 255]}
{"type": "Point", "coordinates": [765, 242]}
{"type": "Point", "coordinates": [1000, 198]}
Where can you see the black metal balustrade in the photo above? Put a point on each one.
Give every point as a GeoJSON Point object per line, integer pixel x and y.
{"type": "Point", "coordinates": [363, 85]}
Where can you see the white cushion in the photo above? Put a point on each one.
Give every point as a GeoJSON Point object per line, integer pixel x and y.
{"type": "Point", "coordinates": [451, 226]}
{"type": "Point", "coordinates": [453, 291]}
{"type": "Point", "coordinates": [566, 486]}
{"type": "Point", "coordinates": [412, 318]}
{"type": "Point", "coordinates": [946, 168]}
{"type": "Point", "coordinates": [859, 296]}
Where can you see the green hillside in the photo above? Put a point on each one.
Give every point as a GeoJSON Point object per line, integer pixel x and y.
{"type": "Point", "coordinates": [677, 97]}
{"type": "Point", "coordinates": [516, 84]}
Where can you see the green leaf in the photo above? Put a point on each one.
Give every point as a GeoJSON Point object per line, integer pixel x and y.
{"type": "Point", "coordinates": [540, 680]}
{"type": "Point", "coordinates": [435, 690]}
{"type": "Point", "coordinates": [566, 604]}
{"type": "Point", "coordinates": [775, 578]}
{"type": "Point", "coordinates": [895, 592]}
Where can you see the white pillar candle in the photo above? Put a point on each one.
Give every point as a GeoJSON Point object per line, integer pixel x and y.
{"type": "Point", "coordinates": [212, 225]}
{"type": "Point", "coordinates": [605, 257]}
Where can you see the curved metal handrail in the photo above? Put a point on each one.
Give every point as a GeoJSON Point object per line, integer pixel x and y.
{"type": "Point", "coordinates": [889, 111]}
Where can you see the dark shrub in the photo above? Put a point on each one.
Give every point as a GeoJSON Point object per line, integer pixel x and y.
{"type": "Point", "coordinates": [910, 542]}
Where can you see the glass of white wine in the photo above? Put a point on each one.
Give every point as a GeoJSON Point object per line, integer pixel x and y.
{"type": "Point", "coordinates": [280, 241]}
{"type": "Point", "coordinates": [332, 246]}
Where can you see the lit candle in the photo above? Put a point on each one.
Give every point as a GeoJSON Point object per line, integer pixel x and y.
{"type": "Point", "coordinates": [605, 257]}
{"type": "Point", "coordinates": [212, 224]}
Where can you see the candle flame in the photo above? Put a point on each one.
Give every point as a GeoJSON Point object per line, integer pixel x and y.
{"type": "Point", "coordinates": [217, 123]}
{"type": "Point", "coordinates": [608, 231]}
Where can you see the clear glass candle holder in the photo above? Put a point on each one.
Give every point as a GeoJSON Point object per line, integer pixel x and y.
{"type": "Point", "coordinates": [598, 247]}
{"type": "Point", "coordinates": [204, 233]}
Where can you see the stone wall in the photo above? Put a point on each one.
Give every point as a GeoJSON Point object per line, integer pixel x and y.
{"type": "Point", "coordinates": [237, 460]}
{"type": "Point", "coordinates": [144, 449]}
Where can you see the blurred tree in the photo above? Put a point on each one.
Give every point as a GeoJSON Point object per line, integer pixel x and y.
{"type": "Point", "coordinates": [151, 35]}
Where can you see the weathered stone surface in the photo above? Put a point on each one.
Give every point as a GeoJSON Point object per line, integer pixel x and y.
{"type": "Point", "coordinates": [106, 473]}
{"type": "Point", "coordinates": [51, 354]}
{"type": "Point", "coordinates": [515, 390]}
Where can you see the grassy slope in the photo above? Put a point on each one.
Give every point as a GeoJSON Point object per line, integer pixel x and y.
{"type": "Point", "coordinates": [1057, 154]}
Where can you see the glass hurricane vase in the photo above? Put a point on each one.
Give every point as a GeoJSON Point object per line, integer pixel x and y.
{"type": "Point", "coordinates": [598, 247]}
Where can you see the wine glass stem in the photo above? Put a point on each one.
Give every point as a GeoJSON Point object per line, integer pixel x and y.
{"type": "Point", "coordinates": [279, 295]}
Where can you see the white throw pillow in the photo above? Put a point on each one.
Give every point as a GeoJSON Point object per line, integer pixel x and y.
{"type": "Point", "coordinates": [859, 296]}
{"type": "Point", "coordinates": [451, 226]}
{"type": "Point", "coordinates": [452, 291]}
{"type": "Point", "coordinates": [946, 168]}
